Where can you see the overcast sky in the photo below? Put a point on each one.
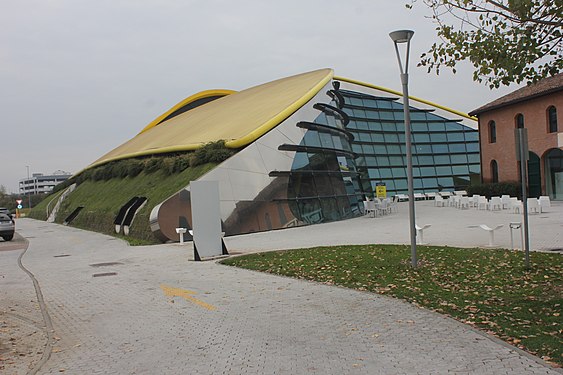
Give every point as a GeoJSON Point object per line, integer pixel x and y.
{"type": "Point", "coordinates": [80, 77]}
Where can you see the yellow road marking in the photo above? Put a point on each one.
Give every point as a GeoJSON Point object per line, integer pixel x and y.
{"type": "Point", "coordinates": [185, 294]}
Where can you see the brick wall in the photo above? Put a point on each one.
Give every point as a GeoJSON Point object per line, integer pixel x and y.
{"type": "Point", "coordinates": [539, 139]}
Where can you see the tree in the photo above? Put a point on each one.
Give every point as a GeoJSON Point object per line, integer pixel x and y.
{"type": "Point", "coordinates": [506, 40]}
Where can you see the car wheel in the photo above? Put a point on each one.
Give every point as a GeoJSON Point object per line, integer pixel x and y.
{"type": "Point", "coordinates": [8, 238]}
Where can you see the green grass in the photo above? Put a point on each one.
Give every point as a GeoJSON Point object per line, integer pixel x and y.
{"type": "Point", "coordinates": [103, 199]}
{"type": "Point", "coordinates": [488, 289]}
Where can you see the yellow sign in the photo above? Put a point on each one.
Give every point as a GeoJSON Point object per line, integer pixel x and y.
{"type": "Point", "coordinates": [380, 190]}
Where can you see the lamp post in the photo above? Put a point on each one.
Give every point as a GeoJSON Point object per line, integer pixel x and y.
{"type": "Point", "coordinates": [29, 192]}
{"type": "Point", "coordinates": [400, 37]}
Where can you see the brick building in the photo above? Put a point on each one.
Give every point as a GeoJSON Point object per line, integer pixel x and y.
{"type": "Point", "coordinates": [537, 108]}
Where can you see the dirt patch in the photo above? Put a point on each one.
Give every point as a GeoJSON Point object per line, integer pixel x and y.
{"type": "Point", "coordinates": [22, 342]}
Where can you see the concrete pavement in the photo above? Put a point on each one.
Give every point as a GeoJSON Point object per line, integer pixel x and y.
{"type": "Point", "coordinates": [118, 309]}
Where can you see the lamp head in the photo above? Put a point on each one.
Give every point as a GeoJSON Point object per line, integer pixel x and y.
{"type": "Point", "coordinates": [401, 36]}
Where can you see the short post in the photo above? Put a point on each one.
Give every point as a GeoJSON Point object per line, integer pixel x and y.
{"type": "Point", "coordinates": [491, 233]}
{"type": "Point", "coordinates": [514, 226]}
{"type": "Point", "coordinates": [181, 232]}
{"type": "Point", "coordinates": [420, 231]}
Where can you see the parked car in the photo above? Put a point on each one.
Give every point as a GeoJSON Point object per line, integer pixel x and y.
{"type": "Point", "coordinates": [7, 227]}
{"type": "Point", "coordinates": [4, 210]}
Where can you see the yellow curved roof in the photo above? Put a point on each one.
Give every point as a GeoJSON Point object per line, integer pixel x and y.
{"type": "Point", "coordinates": [238, 118]}
{"type": "Point", "coordinates": [188, 100]}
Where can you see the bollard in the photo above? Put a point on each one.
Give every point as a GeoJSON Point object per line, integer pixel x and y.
{"type": "Point", "coordinates": [514, 226]}
{"type": "Point", "coordinates": [420, 231]}
{"type": "Point", "coordinates": [491, 233]}
{"type": "Point", "coordinates": [181, 232]}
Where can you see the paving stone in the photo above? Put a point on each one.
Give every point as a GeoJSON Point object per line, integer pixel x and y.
{"type": "Point", "coordinates": [261, 324]}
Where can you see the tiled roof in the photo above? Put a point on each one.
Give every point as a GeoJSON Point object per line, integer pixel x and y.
{"type": "Point", "coordinates": [543, 87]}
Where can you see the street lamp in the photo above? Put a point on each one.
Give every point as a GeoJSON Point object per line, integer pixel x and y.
{"type": "Point", "coordinates": [400, 37]}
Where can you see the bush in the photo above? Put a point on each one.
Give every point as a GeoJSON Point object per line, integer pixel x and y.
{"type": "Point", "coordinates": [134, 167]}
{"type": "Point", "coordinates": [511, 188]}
{"type": "Point", "coordinates": [153, 164]}
{"type": "Point", "coordinates": [181, 163]}
{"type": "Point", "coordinates": [213, 152]}
{"type": "Point", "coordinates": [167, 166]}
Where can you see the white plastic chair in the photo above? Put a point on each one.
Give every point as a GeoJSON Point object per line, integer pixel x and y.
{"type": "Point", "coordinates": [464, 203]}
{"type": "Point", "coordinates": [533, 205]}
{"type": "Point", "coordinates": [430, 195]}
{"type": "Point", "coordinates": [482, 203]}
{"type": "Point", "coordinates": [438, 201]}
{"type": "Point", "coordinates": [383, 207]}
{"type": "Point", "coordinates": [505, 201]}
{"type": "Point", "coordinates": [393, 205]}
{"type": "Point", "coordinates": [495, 204]}
{"type": "Point", "coordinates": [545, 203]}
{"type": "Point", "coordinates": [474, 200]}
{"type": "Point", "coordinates": [370, 208]}
{"type": "Point", "coordinates": [516, 205]}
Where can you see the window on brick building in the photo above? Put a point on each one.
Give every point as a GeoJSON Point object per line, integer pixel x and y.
{"type": "Point", "coordinates": [552, 119]}
{"type": "Point", "coordinates": [494, 171]}
{"type": "Point", "coordinates": [492, 132]}
{"type": "Point", "coordinates": [520, 121]}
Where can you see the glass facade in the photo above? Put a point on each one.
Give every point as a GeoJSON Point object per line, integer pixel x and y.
{"type": "Point", "coordinates": [358, 140]}
{"type": "Point", "coordinates": [445, 152]}
{"type": "Point", "coordinates": [323, 182]}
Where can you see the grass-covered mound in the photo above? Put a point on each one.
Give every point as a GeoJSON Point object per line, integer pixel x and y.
{"type": "Point", "coordinates": [103, 189]}
{"type": "Point", "coordinates": [488, 289]}
{"type": "Point", "coordinates": [103, 198]}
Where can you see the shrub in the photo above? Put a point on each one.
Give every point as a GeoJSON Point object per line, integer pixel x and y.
{"type": "Point", "coordinates": [167, 166]}
{"type": "Point", "coordinates": [213, 152]}
{"type": "Point", "coordinates": [134, 167]}
{"type": "Point", "coordinates": [489, 190]}
{"type": "Point", "coordinates": [181, 163]}
{"type": "Point", "coordinates": [153, 164]}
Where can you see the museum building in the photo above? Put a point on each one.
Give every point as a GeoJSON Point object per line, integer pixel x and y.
{"type": "Point", "coordinates": [310, 149]}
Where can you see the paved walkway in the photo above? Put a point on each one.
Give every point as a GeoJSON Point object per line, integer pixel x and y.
{"type": "Point", "coordinates": [118, 309]}
{"type": "Point", "coordinates": [449, 226]}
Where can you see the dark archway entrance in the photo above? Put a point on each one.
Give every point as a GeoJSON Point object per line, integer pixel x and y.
{"type": "Point", "coordinates": [554, 174]}
{"type": "Point", "coordinates": [534, 176]}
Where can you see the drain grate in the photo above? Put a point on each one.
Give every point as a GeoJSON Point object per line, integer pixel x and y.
{"type": "Point", "coordinates": [555, 249]}
{"type": "Point", "coordinates": [106, 264]}
{"type": "Point", "coordinates": [61, 256]}
{"type": "Point", "coordinates": [104, 274]}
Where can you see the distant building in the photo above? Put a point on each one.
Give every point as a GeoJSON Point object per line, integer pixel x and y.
{"type": "Point", "coordinates": [39, 183]}
{"type": "Point", "coordinates": [537, 108]}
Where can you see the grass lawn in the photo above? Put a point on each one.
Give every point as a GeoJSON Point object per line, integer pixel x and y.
{"type": "Point", "coordinates": [488, 289]}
